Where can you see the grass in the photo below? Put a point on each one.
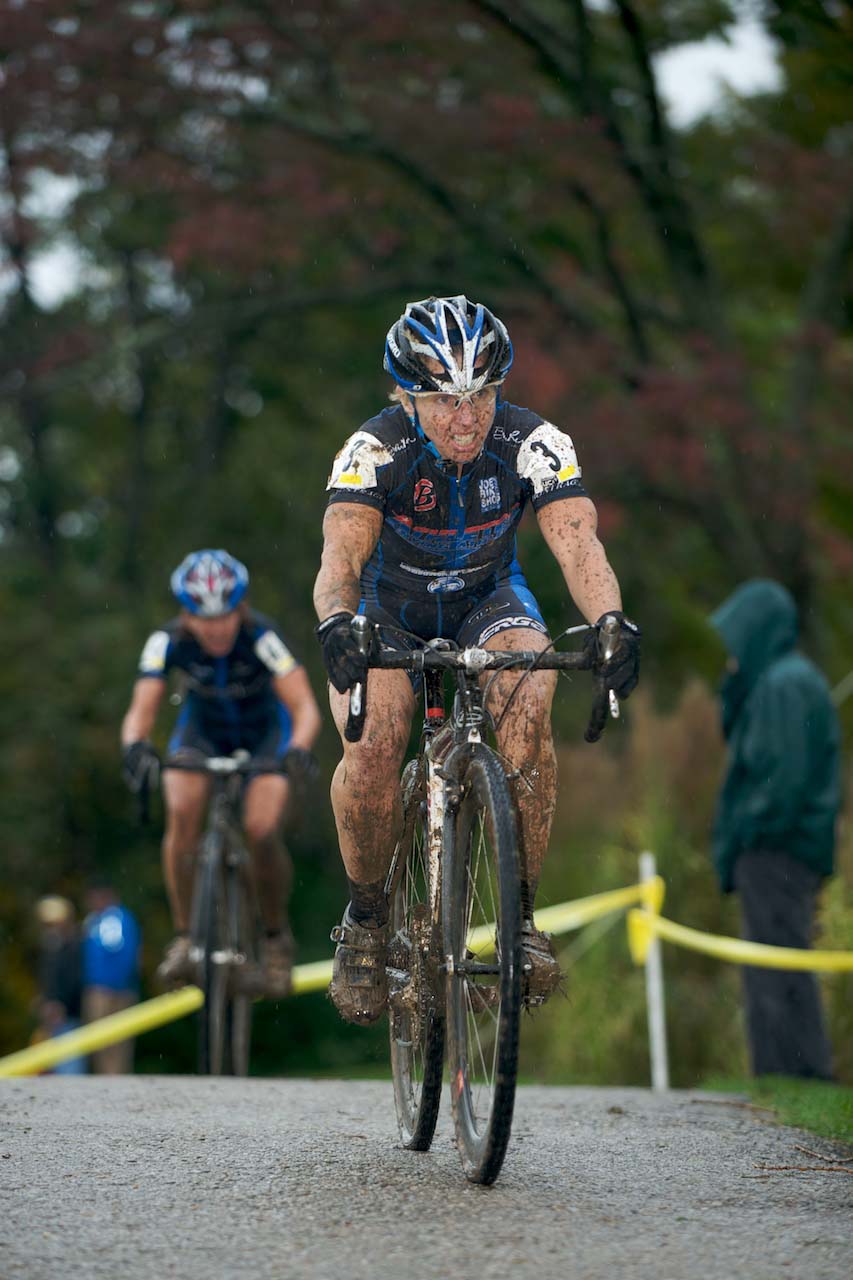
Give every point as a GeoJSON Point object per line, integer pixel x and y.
{"type": "Point", "coordinates": [821, 1108]}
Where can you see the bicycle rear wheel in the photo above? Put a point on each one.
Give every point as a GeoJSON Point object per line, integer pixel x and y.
{"type": "Point", "coordinates": [482, 934]}
{"type": "Point", "coordinates": [415, 1013]}
{"type": "Point", "coordinates": [210, 929]}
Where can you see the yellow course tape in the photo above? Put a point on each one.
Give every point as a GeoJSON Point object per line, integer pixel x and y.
{"type": "Point", "coordinates": [97, 1035]}
{"type": "Point", "coordinates": [574, 915]}
{"type": "Point", "coordinates": [306, 978]}
{"type": "Point", "coordinates": [643, 926]}
{"type": "Point", "coordinates": [311, 977]}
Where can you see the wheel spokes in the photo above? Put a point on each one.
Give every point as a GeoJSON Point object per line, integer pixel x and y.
{"type": "Point", "coordinates": [482, 998]}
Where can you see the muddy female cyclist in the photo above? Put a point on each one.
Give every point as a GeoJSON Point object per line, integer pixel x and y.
{"type": "Point", "coordinates": [419, 536]}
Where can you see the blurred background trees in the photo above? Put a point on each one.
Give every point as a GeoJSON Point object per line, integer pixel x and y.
{"type": "Point", "coordinates": [244, 196]}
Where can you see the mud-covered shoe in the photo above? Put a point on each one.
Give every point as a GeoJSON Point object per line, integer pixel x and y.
{"type": "Point", "coordinates": [540, 973]}
{"type": "Point", "coordinates": [277, 964]}
{"type": "Point", "coordinates": [359, 986]}
{"type": "Point", "coordinates": [176, 966]}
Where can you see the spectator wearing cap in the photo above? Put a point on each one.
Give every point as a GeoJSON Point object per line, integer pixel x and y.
{"type": "Point", "coordinates": [59, 977]}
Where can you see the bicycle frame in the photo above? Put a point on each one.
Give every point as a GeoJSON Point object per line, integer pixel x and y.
{"type": "Point", "coordinates": [228, 775]}
{"type": "Point", "coordinates": [456, 876]}
{"type": "Point", "coordinates": [439, 737]}
{"type": "Point", "coordinates": [224, 917]}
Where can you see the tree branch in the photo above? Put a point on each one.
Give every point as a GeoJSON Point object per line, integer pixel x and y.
{"type": "Point", "coordinates": [480, 225]}
{"type": "Point", "coordinates": [819, 305]}
{"type": "Point", "coordinates": [570, 62]}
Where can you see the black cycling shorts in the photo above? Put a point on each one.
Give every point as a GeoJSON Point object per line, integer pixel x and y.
{"type": "Point", "coordinates": [266, 743]}
{"type": "Point", "coordinates": [408, 623]}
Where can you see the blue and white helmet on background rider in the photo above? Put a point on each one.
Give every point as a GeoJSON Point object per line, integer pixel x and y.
{"type": "Point", "coordinates": [440, 329]}
{"type": "Point", "coordinates": [210, 583]}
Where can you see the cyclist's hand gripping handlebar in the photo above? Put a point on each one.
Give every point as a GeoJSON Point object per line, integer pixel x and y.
{"type": "Point", "coordinates": [141, 770]}
{"type": "Point", "coordinates": [360, 628]}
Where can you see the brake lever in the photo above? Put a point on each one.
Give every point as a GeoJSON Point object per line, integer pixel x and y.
{"type": "Point", "coordinates": [358, 693]}
{"type": "Point", "coordinates": [607, 638]}
{"type": "Point", "coordinates": [143, 806]}
{"type": "Point", "coordinates": [605, 699]}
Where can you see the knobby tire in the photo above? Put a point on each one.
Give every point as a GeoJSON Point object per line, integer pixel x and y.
{"type": "Point", "coordinates": [210, 938]}
{"type": "Point", "coordinates": [481, 871]}
{"type": "Point", "coordinates": [243, 938]}
{"type": "Point", "coordinates": [417, 1036]}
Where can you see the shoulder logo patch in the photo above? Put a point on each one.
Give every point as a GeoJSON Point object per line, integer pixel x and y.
{"type": "Point", "coordinates": [274, 654]}
{"type": "Point", "coordinates": [356, 464]}
{"type": "Point", "coordinates": [547, 460]}
{"type": "Point", "coordinates": [153, 660]}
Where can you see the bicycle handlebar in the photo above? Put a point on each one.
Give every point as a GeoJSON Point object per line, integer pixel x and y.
{"type": "Point", "coordinates": [476, 660]}
{"type": "Point", "coordinates": [473, 662]}
{"type": "Point", "coordinates": [239, 762]}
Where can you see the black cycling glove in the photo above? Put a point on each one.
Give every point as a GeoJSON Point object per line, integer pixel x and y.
{"type": "Point", "coordinates": [345, 662]}
{"type": "Point", "coordinates": [301, 766]}
{"type": "Point", "coordinates": [621, 671]}
{"type": "Point", "coordinates": [140, 765]}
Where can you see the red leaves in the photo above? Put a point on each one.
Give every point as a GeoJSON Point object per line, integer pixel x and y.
{"type": "Point", "coordinates": [837, 549]}
{"type": "Point", "coordinates": [66, 349]}
{"type": "Point", "coordinates": [228, 233]}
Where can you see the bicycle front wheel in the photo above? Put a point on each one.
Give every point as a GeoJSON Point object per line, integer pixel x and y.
{"type": "Point", "coordinates": [243, 936]}
{"type": "Point", "coordinates": [415, 1012]}
{"type": "Point", "coordinates": [210, 940]}
{"type": "Point", "coordinates": [482, 942]}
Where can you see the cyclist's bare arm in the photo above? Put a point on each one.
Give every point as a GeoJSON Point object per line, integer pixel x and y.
{"type": "Point", "coordinates": [294, 692]}
{"type": "Point", "coordinates": [350, 533]}
{"type": "Point", "coordinates": [141, 715]}
{"type": "Point", "coordinates": [569, 526]}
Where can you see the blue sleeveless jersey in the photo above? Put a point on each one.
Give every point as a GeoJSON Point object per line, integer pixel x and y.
{"type": "Point", "coordinates": [448, 542]}
{"type": "Point", "coordinates": [228, 702]}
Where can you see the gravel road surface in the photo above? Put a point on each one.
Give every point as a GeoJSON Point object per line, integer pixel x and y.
{"type": "Point", "coordinates": [206, 1179]}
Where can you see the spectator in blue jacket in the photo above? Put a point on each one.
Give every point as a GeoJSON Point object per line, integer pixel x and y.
{"type": "Point", "coordinates": [774, 835]}
{"type": "Point", "coordinates": [111, 947]}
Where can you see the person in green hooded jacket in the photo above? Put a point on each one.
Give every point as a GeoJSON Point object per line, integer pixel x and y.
{"type": "Point", "coordinates": [774, 832]}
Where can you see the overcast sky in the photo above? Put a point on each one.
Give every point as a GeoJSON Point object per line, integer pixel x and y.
{"type": "Point", "coordinates": [691, 76]}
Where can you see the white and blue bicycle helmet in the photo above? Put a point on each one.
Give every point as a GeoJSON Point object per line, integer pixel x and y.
{"type": "Point", "coordinates": [439, 329]}
{"type": "Point", "coordinates": [210, 583]}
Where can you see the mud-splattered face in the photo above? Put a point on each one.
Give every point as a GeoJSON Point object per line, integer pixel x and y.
{"type": "Point", "coordinates": [456, 426]}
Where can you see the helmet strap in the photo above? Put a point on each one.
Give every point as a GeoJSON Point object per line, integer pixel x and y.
{"type": "Point", "coordinates": [422, 435]}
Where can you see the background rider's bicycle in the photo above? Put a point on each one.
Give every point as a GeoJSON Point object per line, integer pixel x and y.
{"type": "Point", "coordinates": [225, 929]}
{"type": "Point", "coordinates": [454, 960]}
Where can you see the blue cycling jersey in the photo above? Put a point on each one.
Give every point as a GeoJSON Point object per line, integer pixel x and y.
{"type": "Point", "coordinates": [448, 541]}
{"type": "Point", "coordinates": [228, 702]}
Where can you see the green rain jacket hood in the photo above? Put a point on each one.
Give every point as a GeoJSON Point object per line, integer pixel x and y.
{"type": "Point", "coordinates": [781, 791]}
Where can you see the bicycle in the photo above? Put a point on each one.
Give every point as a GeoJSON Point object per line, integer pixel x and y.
{"type": "Point", "coordinates": [454, 960]}
{"type": "Point", "coordinates": [225, 932]}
